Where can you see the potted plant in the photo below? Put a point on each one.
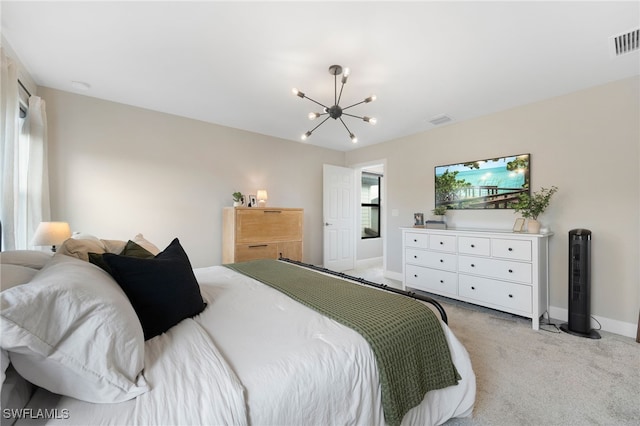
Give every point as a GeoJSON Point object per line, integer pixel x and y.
{"type": "Point", "coordinates": [531, 206]}
{"type": "Point", "coordinates": [238, 199]}
{"type": "Point", "coordinates": [439, 212]}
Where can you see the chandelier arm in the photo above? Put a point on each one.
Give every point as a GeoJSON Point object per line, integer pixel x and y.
{"type": "Point", "coordinates": [340, 96]}
{"type": "Point", "coordinates": [321, 123]}
{"type": "Point", "coordinates": [345, 126]}
{"type": "Point", "coordinates": [314, 101]}
{"type": "Point", "coordinates": [357, 103]}
{"type": "Point", "coordinates": [354, 116]}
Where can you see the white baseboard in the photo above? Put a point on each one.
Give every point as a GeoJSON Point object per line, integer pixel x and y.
{"type": "Point", "coordinates": [393, 275]}
{"type": "Point", "coordinates": [626, 329]}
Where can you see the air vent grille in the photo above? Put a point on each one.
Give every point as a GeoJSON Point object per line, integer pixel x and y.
{"type": "Point", "coordinates": [439, 119]}
{"type": "Point", "coordinates": [626, 43]}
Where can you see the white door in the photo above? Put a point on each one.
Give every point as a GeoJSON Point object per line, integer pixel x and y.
{"type": "Point", "coordinates": [339, 212]}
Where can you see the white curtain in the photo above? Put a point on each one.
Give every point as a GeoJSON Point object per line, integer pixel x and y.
{"type": "Point", "coordinates": [36, 190]}
{"type": "Point", "coordinates": [25, 182]}
{"type": "Point", "coordinates": [10, 122]}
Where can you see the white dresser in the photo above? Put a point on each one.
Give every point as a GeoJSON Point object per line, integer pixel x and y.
{"type": "Point", "coordinates": [498, 269]}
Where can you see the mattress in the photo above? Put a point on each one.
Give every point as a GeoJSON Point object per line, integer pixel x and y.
{"type": "Point", "coordinates": [255, 356]}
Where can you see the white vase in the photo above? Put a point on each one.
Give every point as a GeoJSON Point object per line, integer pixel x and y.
{"type": "Point", "coordinates": [533, 226]}
{"type": "Point", "coordinates": [237, 203]}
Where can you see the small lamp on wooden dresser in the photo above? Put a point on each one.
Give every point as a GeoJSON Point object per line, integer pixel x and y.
{"type": "Point", "coordinates": [250, 233]}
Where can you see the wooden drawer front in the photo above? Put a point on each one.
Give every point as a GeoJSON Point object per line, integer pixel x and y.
{"type": "Point", "coordinates": [268, 225]}
{"type": "Point", "coordinates": [413, 239]}
{"type": "Point", "coordinates": [431, 259]}
{"type": "Point", "coordinates": [246, 252]}
{"type": "Point", "coordinates": [442, 242]}
{"type": "Point", "coordinates": [511, 249]}
{"type": "Point", "coordinates": [501, 269]}
{"type": "Point", "coordinates": [474, 245]}
{"type": "Point", "coordinates": [514, 297]}
{"type": "Point", "coordinates": [291, 250]}
{"type": "Point", "coordinates": [433, 280]}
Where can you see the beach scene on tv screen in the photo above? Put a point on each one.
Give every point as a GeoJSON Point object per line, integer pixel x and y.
{"type": "Point", "coordinates": [483, 184]}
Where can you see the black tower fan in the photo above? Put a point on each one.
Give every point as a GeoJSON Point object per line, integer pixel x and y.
{"type": "Point", "coordinates": [579, 285]}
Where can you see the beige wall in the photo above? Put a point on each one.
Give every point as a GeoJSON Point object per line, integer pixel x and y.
{"type": "Point", "coordinates": [586, 143]}
{"type": "Point", "coordinates": [117, 170]}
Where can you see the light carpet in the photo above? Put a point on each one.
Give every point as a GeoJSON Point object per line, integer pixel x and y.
{"type": "Point", "coordinates": [545, 377]}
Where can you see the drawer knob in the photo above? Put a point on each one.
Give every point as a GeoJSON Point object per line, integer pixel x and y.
{"type": "Point", "coordinates": [441, 260]}
{"type": "Point", "coordinates": [415, 275]}
{"type": "Point", "coordinates": [415, 240]}
{"type": "Point", "coordinates": [511, 271]}
{"type": "Point", "coordinates": [441, 281]}
{"type": "Point", "coordinates": [511, 296]}
{"type": "Point", "coordinates": [473, 288]}
{"type": "Point", "coordinates": [415, 256]}
{"type": "Point", "coordinates": [473, 265]}
{"type": "Point", "coordinates": [473, 245]}
{"type": "Point", "coordinates": [510, 249]}
{"type": "Point", "coordinates": [441, 243]}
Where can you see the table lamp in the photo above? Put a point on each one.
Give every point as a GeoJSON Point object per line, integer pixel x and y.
{"type": "Point", "coordinates": [51, 234]}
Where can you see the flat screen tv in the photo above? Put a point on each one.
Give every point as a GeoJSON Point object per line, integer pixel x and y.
{"type": "Point", "coordinates": [494, 183]}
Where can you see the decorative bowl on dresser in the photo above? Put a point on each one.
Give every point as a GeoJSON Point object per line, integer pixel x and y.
{"type": "Point", "coordinates": [498, 269]}
{"type": "Point", "coordinates": [261, 233]}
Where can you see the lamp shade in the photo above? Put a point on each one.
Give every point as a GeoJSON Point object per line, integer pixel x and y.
{"type": "Point", "coordinates": [262, 195]}
{"type": "Point", "coordinates": [51, 234]}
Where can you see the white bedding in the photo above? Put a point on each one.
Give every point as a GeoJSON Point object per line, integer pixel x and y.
{"type": "Point", "coordinates": [254, 347]}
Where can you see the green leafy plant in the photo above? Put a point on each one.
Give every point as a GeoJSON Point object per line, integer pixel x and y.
{"type": "Point", "coordinates": [531, 207]}
{"type": "Point", "coordinates": [237, 196]}
{"type": "Point", "coordinates": [439, 210]}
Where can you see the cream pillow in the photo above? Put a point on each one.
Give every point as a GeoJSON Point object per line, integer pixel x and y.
{"type": "Point", "coordinates": [30, 258]}
{"type": "Point", "coordinates": [142, 242]}
{"type": "Point", "coordinates": [72, 331]}
{"type": "Point", "coordinates": [80, 248]}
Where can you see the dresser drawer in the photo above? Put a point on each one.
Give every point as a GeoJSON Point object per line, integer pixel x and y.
{"type": "Point", "coordinates": [474, 245]}
{"type": "Point", "coordinates": [245, 252]}
{"type": "Point", "coordinates": [442, 243]}
{"type": "Point", "coordinates": [431, 259]}
{"type": "Point", "coordinates": [502, 295]}
{"type": "Point", "coordinates": [258, 225]}
{"type": "Point", "coordinates": [501, 269]}
{"type": "Point", "coordinates": [414, 239]}
{"type": "Point", "coordinates": [432, 280]}
{"type": "Point", "coordinates": [511, 249]}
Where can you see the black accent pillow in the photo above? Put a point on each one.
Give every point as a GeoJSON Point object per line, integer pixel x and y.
{"type": "Point", "coordinates": [130, 249]}
{"type": "Point", "coordinates": [163, 290]}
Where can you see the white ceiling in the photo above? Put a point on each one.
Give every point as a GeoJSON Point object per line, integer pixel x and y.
{"type": "Point", "coordinates": [234, 63]}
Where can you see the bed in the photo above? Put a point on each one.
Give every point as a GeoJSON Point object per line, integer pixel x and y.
{"type": "Point", "coordinates": [252, 355]}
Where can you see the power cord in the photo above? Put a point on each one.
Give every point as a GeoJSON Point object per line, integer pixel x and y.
{"type": "Point", "coordinates": [555, 328]}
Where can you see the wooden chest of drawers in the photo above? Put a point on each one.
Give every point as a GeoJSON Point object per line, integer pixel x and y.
{"type": "Point", "coordinates": [499, 270]}
{"type": "Point", "coordinates": [261, 233]}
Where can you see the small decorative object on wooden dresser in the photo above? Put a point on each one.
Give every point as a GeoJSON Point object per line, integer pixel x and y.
{"type": "Point", "coordinates": [261, 233]}
{"type": "Point", "coordinates": [497, 269]}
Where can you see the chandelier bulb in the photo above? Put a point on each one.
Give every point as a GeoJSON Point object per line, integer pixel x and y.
{"type": "Point", "coordinates": [313, 115]}
{"type": "Point", "coordinates": [369, 99]}
{"type": "Point", "coordinates": [297, 92]}
{"type": "Point", "coordinates": [305, 136]}
{"type": "Point", "coordinates": [370, 120]}
{"type": "Point", "coordinates": [353, 137]}
{"type": "Point", "coordinates": [345, 75]}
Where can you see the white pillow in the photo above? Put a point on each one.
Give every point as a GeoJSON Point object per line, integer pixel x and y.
{"type": "Point", "coordinates": [29, 258]}
{"type": "Point", "coordinates": [13, 275]}
{"type": "Point", "coordinates": [72, 331]}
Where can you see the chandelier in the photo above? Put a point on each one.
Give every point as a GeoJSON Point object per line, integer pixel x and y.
{"type": "Point", "coordinates": [336, 111]}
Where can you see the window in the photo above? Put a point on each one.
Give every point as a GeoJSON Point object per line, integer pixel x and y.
{"type": "Point", "coordinates": [370, 205]}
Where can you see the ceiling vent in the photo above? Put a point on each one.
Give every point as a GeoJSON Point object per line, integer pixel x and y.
{"type": "Point", "coordinates": [625, 43]}
{"type": "Point", "coordinates": [439, 119]}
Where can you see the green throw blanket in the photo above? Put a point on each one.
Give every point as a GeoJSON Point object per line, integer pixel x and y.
{"type": "Point", "coordinates": [405, 335]}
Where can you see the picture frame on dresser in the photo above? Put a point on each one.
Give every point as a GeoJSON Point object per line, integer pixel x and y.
{"type": "Point", "coordinates": [252, 201]}
{"type": "Point", "coordinates": [518, 226]}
